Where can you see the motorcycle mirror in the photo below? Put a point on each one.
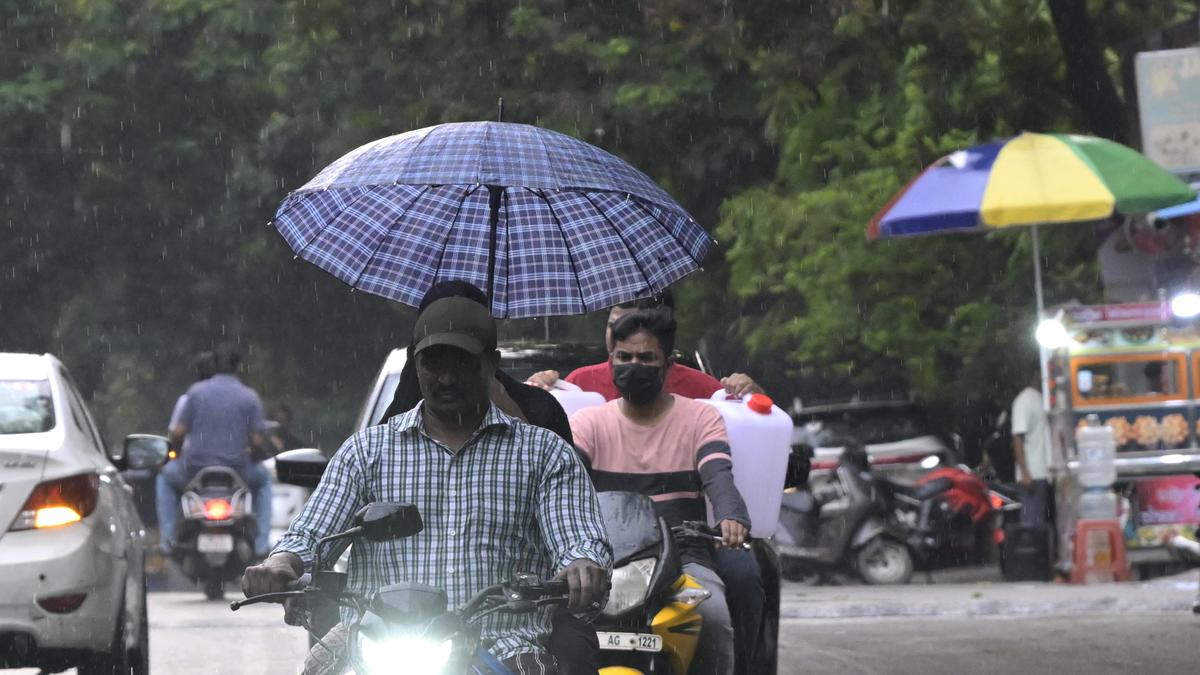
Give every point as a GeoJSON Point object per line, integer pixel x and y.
{"type": "Point", "coordinates": [303, 467]}
{"type": "Point", "coordinates": [140, 451]}
{"type": "Point", "coordinates": [384, 521]}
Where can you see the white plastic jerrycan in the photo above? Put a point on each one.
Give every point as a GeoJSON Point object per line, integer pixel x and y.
{"type": "Point", "coordinates": [573, 399]}
{"type": "Point", "coordinates": [760, 435]}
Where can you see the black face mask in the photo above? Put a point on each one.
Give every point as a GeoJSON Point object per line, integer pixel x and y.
{"type": "Point", "coordinates": [639, 384]}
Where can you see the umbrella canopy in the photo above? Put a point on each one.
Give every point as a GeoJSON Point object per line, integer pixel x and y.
{"type": "Point", "coordinates": [545, 223]}
{"type": "Point", "coordinates": [1032, 179]}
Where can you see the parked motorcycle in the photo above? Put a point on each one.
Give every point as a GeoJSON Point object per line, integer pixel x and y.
{"type": "Point", "coordinates": [215, 539]}
{"type": "Point", "coordinates": [841, 525]}
{"type": "Point", "coordinates": [408, 623]}
{"type": "Point", "coordinates": [950, 515]}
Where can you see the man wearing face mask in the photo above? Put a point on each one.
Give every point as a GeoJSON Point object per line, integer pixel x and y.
{"type": "Point", "coordinates": [673, 449]}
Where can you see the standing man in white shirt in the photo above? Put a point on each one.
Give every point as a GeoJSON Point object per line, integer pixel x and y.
{"type": "Point", "coordinates": [1031, 450]}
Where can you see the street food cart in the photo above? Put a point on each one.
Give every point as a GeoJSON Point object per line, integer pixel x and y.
{"type": "Point", "coordinates": [1137, 367]}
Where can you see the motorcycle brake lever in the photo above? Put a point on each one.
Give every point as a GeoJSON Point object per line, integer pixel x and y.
{"type": "Point", "coordinates": [265, 597]}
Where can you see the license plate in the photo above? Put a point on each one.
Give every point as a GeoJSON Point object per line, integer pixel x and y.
{"type": "Point", "coordinates": [214, 543]}
{"type": "Point", "coordinates": [630, 642]}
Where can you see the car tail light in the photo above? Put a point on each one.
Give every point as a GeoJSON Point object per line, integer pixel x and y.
{"type": "Point", "coordinates": [59, 502]}
{"type": "Point", "coordinates": [217, 509]}
{"type": "Point", "coordinates": [61, 604]}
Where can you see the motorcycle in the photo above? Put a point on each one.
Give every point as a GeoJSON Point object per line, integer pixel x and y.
{"type": "Point", "coordinates": [406, 622]}
{"type": "Point", "coordinates": [215, 539]}
{"type": "Point", "coordinates": [842, 525]}
{"type": "Point", "coordinates": [651, 623]}
{"type": "Point", "coordinates": [950, 515]}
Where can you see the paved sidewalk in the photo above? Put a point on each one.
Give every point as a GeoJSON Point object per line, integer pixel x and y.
{"type": "Point", "coordinates": [1167, 594]}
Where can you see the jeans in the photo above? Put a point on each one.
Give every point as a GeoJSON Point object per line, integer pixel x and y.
{"type": "Point", "coordinates": [746, 596]}
{"type": "Point", "coordinates": [714, 653]}
{"type": "Point", "coordinates": [174, 477]}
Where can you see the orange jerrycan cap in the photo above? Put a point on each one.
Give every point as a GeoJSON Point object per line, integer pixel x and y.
{"type": "Point", "coordinates": [760, 403]}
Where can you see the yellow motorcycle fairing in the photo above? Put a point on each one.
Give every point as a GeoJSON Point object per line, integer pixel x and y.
{"type": "Point", "coordinates": [678, 624]}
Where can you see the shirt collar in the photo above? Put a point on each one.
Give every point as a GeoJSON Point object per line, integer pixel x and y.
{"type": "Point", "coordinates": [413, 419]}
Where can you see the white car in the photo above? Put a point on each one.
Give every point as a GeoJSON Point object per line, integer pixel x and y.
{"type": "Point", "coordinates": [897, 436]}
{"type": "Point", "coordinates": [72, 585]}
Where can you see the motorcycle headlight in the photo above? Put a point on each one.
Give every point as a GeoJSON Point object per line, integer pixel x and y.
{"type": "Point", "coordinates": [412, 653]}
{"type": "Point", "coordinates": [630, 584]}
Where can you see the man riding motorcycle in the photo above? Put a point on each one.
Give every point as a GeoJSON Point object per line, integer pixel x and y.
{"type": "Point", "coordinates": [219, 420]}
{"type": "Point", "coordinates": [676, 451]}
{"type": "Point", "coordinates": [497, 495]}
{"type": "Point", "coordinates": [738, 569]}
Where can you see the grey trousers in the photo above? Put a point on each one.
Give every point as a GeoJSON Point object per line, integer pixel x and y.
{"type": "Point", "coordinates": [1035, 504]}
{"type": "Point", "coordinates": [714, 653]}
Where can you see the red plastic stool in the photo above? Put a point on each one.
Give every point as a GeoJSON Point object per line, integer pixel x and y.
{"type": "Point", "coordinates": [1099, 552]}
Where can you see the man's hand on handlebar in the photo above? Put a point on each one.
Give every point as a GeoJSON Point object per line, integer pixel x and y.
{"type": "Point", "coordinates": [272, 575]}
{"type": "Point", "coordinates": [733, 534]}
{"type": "Point", "coordinates": [588, 583]}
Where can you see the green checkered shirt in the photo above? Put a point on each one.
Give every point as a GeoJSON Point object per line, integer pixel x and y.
{"type": "Point", "coordinates": [514, 498]}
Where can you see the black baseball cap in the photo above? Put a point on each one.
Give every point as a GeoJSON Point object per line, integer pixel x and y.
{"type": "Point", "coordinates": [458, 322]}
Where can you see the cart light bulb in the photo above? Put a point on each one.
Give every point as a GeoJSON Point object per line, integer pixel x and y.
{"type": "Point", "coordinates": [1052, 334]}
{"type": "Point", "coordinates": [1186, 305]}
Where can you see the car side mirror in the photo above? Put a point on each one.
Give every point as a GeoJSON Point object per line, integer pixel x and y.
{"type": "Point", "coordinates": [302, 466]}
{"type": "Point", "coordinates": [384, 521]}
{"type": "Point", "coordinates": [140, 451]}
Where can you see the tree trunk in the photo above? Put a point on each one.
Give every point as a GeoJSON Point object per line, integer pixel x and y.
{"type": "Point", "coordinates": [1088, 82]}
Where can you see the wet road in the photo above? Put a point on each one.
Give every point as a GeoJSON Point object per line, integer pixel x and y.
{"type": "Point", "coordinates": [192, 636]}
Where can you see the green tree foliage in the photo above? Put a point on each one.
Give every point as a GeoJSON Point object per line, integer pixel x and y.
{"type": "Point", "coordinates": [144, 146]}
{"type": "Point", "coordinates": [899, 85]}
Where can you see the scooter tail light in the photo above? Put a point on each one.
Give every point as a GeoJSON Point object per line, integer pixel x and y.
{"type": "Point", "coordinates": [997, 501]}
{"type": "Point", "coordinates": [217, 509]}
{"type": "Point", "coordinates": [58, 502]}
{"type": "Point", "coordinates": [998, 535]}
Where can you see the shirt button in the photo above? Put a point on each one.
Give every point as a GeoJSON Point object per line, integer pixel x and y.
{"type": "Point", "coordinates": [453, 493]}
{"type": "Point", "coordinates": [450, 569]}
{"type": "Point", "coordinates": [453, 532]}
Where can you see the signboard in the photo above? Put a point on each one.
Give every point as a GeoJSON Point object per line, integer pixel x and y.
{"type": "Point", "coordinates": [1168, 90]}
{"type": "Point", "coordinates": [1127, 313]}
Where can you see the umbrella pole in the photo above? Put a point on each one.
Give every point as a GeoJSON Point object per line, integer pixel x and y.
{"type": "Point", "coordinates": [1037, 273]}
{"type": "Point", "coordinates": [494, 194]}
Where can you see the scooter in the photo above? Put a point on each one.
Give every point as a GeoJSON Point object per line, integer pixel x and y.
{"type": "Point", "coordinates": [215, 541]}
{"type": "Point", "coordinates": [408, 623]}
{"type": "Point", "coordinates": [841, 526]}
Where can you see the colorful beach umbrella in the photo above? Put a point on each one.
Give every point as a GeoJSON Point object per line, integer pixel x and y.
{"type": "Point", "coordinates": [1029, 180]}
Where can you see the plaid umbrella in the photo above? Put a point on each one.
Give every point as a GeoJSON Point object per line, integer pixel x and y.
{"type": "Point", "coordinates": [546, 223]}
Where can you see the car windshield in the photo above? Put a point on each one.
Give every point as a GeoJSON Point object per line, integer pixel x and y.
{"type": "Point", "coordinates": [25, 407]}
{"type": "Point", "coordinates": [833, 429]}
{"type": "Point", "coordinates": [523, 361]}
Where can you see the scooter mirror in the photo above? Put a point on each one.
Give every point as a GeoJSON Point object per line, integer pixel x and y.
{"type": "Point", "coordinates": [383, 521]}
{"type": "Point", "coordinates": [303, 467]}
{"type": "Point", "coordinates": [141, 451]}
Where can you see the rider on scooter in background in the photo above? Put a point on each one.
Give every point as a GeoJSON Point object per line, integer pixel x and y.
{"type": "Point", "coordinates": [674, 450]}
{"type": "Point", "coordinates": [220, 420]}
{"type": "Point", "coordinates": [738, 569]}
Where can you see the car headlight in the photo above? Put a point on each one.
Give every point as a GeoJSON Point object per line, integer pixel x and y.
{"type": "Point", "coordinates": [630, 584]}
{"type": "Point", "coordinates": [416, 653]}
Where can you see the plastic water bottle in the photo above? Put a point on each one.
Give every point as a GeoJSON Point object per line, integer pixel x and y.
{"type": "Point", "coordinates": [1097, 450]}
{"type": "Point", "coordinates": [1098, 503]}
{"type": "Point", "coordinates": [574, 399]}
{"type": "Point", "coordinates": [760, 436]}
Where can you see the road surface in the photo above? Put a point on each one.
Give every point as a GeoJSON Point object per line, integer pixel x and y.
{"type": "Point", "coordinates": [192, 636]}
